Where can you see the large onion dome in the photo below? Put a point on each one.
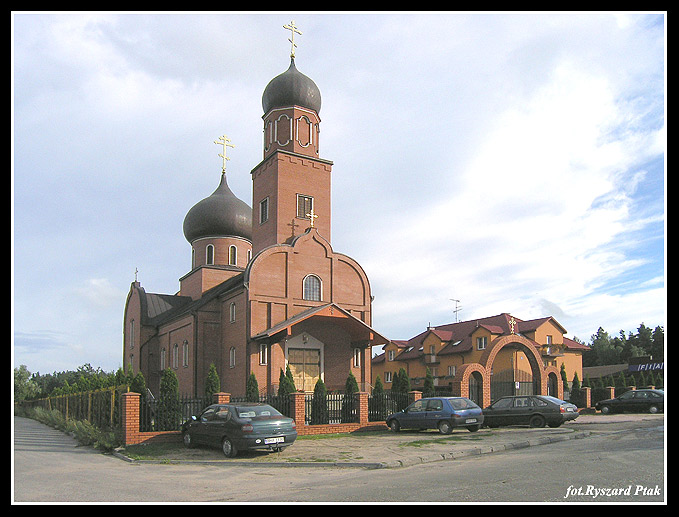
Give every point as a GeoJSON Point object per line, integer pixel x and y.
{"type": "Point", "coordinates": [291, 88]}
{"type": "Point", "coordinates": [221, 214]}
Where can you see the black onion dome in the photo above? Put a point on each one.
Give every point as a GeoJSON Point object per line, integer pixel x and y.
{"type": "Point", "coordinates": [219, 215]}
{"type": "Point", "coordinates": [291, 88]}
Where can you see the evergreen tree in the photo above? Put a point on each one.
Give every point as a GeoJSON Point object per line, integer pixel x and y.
{"type": "Point", "coordinates": [428, 390]}
{"type": "Point", "coordinates": [168, 408]}
{"type": "Point", "coordinates": [319, 404]}
{"type": "Point", "coordinates": [212, 383]}
{"type": "Point", "coordinates": [252, 389]}
{"type": "Point", "coordinates": [285, 384]}
{"type": "Point", "coordinates": [564, 377]}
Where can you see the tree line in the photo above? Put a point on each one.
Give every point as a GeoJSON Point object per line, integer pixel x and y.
{"type": "Point", "coordinates": [605, 349]}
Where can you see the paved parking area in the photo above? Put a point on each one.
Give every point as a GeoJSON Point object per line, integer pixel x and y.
{"type": "Point", "coordinates": [385, 449]}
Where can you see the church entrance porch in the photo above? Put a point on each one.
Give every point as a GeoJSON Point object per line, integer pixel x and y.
{"type": "Point", "coordinates": [324, 342]}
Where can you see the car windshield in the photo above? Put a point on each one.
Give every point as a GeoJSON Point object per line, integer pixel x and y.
{"type": "Point", "coordinates": [256, 411]}
{"type": "Point", "coordinates": [462, 403]}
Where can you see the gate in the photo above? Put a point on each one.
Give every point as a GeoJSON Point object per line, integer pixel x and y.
{"type": "Point", "coordinates": [475, 388]}
{"type": "Point", "coordinates": [511, 382]}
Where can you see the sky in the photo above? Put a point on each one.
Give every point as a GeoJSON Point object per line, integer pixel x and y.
{"type": "Point", "coordinates": [512, 161]}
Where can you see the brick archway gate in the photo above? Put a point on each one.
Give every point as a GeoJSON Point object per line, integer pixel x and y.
{"type": "Point", "coordinates": [524, 345]}
{"type": "Point", "coordinates": [472, 381]}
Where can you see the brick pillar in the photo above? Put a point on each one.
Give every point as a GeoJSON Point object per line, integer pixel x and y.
{"type": "Point", "coordinates": [414, 395]}
{"type": "Point", "coordinates": [221, 398]}
{"type": "Point", "coordinates": [362, 408]}
{"type": "Point", "coordinates": [586, 396]}
{"type": "Point", "coordinates": [611, 392]}
{"type": "Point", "coordinates": [298, 408]}
{"type": "Point", "coordinates": [130, 417]}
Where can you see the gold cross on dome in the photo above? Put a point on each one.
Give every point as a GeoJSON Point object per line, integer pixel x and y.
{"type": "Point", "coordinates": [224, 142]}
{"type": "Point", "coordinates": [293, 29]}
{"type": "Point", "coordinates": [311, 215]}
{"type": "Point", "coordinates": [512, 322]}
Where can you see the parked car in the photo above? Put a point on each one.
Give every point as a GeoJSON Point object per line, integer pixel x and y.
{"type": "Point", "coordinates": [442, 413]}
{"type": "Point", "coordinates": [533, 410]}
{"type": "Point", "coordinates": [237, 427]}
{"type": "Point", "coordinates": [650, 401]}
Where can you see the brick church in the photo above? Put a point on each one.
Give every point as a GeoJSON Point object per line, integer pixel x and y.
{"type": "Point", "coordinates": [266, 289]}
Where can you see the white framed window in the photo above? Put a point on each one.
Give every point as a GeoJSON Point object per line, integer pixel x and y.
{"type": "Point", "coordinates": [388, 377]}
{"type": "Point", "coordinates": [163, 359]}
{"type": "Point", "coordinates": [232, 312]}
{"type": "Point", "coordinates": [185, 354]}
{"type": "Point", "coordinates": [452, 370]}
{"type": "Point", "coordinates": [210, 254]}
{"type": "Point", "coordinates": [232, 357]}
{"type": "Point", "coordinates": [481, 343]}
{"type": "Point", "coordinates": [391, 355]}
{"type": "Point", "coordinates": [233, 255]}
{"type": "Point", "coordinates": [263, 354]}
{"type": "Point", "coordinates": [357, 357]}
{"type": "Point", "coordinates": [264, 210]}
{"type": "Point", "coordinates": [312, 288]}
{"type": "Point", "coordinates": [175, 356]}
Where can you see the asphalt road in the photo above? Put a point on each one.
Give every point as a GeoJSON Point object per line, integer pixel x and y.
{"type": "Point", "coordinates": [618, 463]}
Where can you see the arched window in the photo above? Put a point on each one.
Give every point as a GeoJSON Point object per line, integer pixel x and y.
{"type": "Point", "coordinates": [232, 357]}
{"type": "Point", "coordinates": [312, 288]}
{"type": "Point", "coordinates": [232, 255]}
{"type": "Point", "coordinates": [209, 254]}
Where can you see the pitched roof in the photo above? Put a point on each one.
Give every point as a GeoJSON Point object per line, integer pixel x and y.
{"type": "Point", "coordinates": [457, 336]}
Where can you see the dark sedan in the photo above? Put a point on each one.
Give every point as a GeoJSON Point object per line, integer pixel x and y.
{"type": "Point", "coordinates": [533, 410]}
{"type": "Point", "coordinates": [237, 427]}
{"type": "Point", "coordinates": [637, 401]}
{"type": "Point", "coordinates": [442, 413]}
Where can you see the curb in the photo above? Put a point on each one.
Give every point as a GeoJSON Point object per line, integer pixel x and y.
{"type": "Point", "coordinates": [406, 462]}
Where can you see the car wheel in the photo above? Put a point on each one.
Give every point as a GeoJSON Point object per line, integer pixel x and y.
{"type": "Point", "coordinates": [653, 410]}
{"type": "Point", "coordinates": [473, 428]}
{"type": "Point", "coordinates": [188, 442]}
{"type": "Point", "coordinates": [555, 424]}
{"type": "Point", "coordinates": [445, 427]}
{"type": "Point", "coordinates": [228, 448]}
{"type": "Point", "coordinates": [394, 426]}
{"type": "Point", "coordinates": [605, 410]}
{"type": "Point", "coordinates": [537, 421]}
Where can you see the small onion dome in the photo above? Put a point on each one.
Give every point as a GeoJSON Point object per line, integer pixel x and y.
{"type": "Point", "coordinates": [219, 215]}
{"type": "Point", "coordinates": [291, 88]}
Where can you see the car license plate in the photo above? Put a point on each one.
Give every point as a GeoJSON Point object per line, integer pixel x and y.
{"type": "Point", "coordinates": [278, 439]}
{"type": "Point", "coordinates": [470, 421]}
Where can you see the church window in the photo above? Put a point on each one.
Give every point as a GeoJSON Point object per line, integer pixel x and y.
{"type": "Point", "coordinates": [232, 312]}
{"type": "Point", "coordinates": [481, 343]}
{"type": "Point", "coordinates": [162, 359]}
{"type": "Point", "coordinates": [304, 206]}
{"type": "Point", "coordinates": [391, 355]}
{"type": "Point", "coordinates": [357, 357]}
{"type": "Point", "coordinates": [175, 356]}
{"type": "Point", "coordinates": [210, 254]}
{"type": "Point", "coordinates": [388, 377]}
{"type": "Point", "coordinates": [264, 210]}
{"type": "Point", "coordinates": [312, 288]}
{"type": "Point", "coordinates": [132, 334]}
{"type": "Point", "coordinates": [233, 254]}
{"type": "Point", "coordinates": [185, 354]}
{"type": "Point", "coordinates": [232, 357]}
{"type": "Point", "coordinates": [263, 354]}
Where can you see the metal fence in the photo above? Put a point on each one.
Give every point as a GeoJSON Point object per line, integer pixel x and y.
{"type": "Point", "coordinates": [101, 408]}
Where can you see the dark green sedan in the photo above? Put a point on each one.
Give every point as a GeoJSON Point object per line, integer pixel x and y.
{"type": "Point", "coordinates": [240, 426]}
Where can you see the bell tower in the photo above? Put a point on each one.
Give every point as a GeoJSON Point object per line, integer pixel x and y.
{"type": "Point", "coordinates": [291, 185]}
